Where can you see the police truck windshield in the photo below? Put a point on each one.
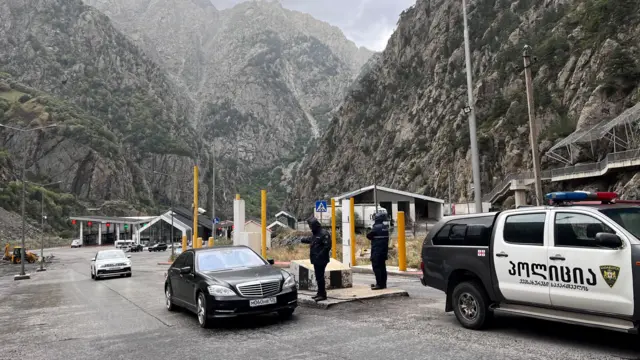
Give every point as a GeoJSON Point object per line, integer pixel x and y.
{"type": "Point", "coordinates": [628, 218]}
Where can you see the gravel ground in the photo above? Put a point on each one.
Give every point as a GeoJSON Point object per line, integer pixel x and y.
{"type": "Point", "coordinates": [63, 314]}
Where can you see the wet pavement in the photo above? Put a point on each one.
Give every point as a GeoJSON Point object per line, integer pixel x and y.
{"type": "Point", "coordinates": [63, 314]}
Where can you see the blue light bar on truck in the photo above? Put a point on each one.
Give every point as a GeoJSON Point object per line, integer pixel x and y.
{"type": "Point", "coordinates": [581, 196]}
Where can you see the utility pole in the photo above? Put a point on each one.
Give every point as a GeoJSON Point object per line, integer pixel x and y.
{"type": "Point", "coordinates": [23, 275]}
{"type": "Point", "coordinates": [24, 195]}
{"type": "Point", "coordinates": [213, 188]}
{"type": "Point", "coordinates": [375, 188]}
{"type": "Point", "coordinates": [533, 126]}
{"type": "Point", "coordinates": [173, 241]}
{"type": "Point", "coordinates": [42, 232]}
{"type": "Point", "coordinates": [449, 196]}
{"type": "Point", "coordinates": [475, 161]}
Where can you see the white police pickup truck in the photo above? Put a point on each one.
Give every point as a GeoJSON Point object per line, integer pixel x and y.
{"type": "Point", "coordinates": [575, 261]}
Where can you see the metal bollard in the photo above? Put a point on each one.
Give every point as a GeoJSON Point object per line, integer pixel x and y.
{"type": "Point", "coordinates": [402, 247]}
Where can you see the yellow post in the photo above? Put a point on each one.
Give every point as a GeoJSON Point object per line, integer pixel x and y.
{"type": "Point", "coordinates": [237, 196]}
{"type": "Point", "coordinates": [334, 241]}
{"type": "Point", "coordinates": [195, 207]}
{"type": "Point", "coordinates": [184, 243]}
{"type": "Point", "coordinates": [264, 223]}
{"type": "Point", "coordinates": [402, 248]}
{"type": "Point", "coordinates": [211, 242]}
{"type": "Point", "coordinates": [352, 225]}
{"type": "Point", "coordinates": [199, 242]}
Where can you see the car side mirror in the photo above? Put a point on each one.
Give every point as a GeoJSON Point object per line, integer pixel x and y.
{"type": "Point", "coordinates": [271, 261]}
{"type": "Point", "coordinates": [129, 256]}
{"type": "Point", "coordinates": [608, 240]}
{"type": "Point", "coordinates": [93, 259]}
{"type": "Point", "coordinates": [185, 270]}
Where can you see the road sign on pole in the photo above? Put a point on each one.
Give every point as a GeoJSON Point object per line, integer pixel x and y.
{"type": "Point", "coordinates": [216, 220]}
{"type": "Point", "coordinates": [321, 206]}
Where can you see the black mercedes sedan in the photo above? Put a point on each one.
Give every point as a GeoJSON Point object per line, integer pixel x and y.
{"type": "Point", "coordinates": [228, 281]}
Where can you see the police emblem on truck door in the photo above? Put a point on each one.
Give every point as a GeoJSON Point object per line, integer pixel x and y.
{"type": "Point", "coordinates": [610, 274]}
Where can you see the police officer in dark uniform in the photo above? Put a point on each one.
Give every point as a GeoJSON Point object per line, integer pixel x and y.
{"type": "Point", "coordinates": [318, 254]}
{"type": "Point", "coordinates": [379, 236]}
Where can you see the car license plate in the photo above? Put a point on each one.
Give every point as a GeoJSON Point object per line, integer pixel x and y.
{"type": "Point", "coordinates": [263, 302]}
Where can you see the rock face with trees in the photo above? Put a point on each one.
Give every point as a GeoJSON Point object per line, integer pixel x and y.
{"type": "Point", "coordinates": [404, 115]}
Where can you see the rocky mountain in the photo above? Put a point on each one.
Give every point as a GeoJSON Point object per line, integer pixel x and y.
{"type": "Point", "coordinates": [263, 78]}
{"type": "Point", "coordinates": [118, 115]}
{"type": "Point", "coordinates": [403, 121]}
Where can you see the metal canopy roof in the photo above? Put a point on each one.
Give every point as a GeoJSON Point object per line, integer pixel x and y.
{"type": "Point", "coordinates": [389, 190]}
{"type": "Point", "coordinates": [113, 219]}
{"type": "Point", "coordinates": [600, 130]}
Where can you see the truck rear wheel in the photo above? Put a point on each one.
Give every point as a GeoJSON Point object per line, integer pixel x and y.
{"type": "Point", "coordinates": [471, 305]}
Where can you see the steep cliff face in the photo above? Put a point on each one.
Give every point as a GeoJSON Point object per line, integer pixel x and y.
{"type": "Point", "coordinates": [264, 79]}
{"type": "Point", "coordinates": [117, 112]}
{"type": "Point", "coordinates": [403, 121]}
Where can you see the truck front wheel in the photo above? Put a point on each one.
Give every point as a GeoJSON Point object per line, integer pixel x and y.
{"type": "Point", "coordinates": [471, 305]}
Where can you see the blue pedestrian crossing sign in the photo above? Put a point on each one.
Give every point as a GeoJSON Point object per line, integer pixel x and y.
{"type": "Point", "coordinates": [321, 206]}
{"type": "Point", "coordinates": [216, 220]}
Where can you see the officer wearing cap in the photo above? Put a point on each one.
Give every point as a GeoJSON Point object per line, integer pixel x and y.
{"type": "Point", "coordinates": [379, 236]}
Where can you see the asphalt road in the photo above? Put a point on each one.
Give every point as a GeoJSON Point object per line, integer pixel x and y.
{"type": "Point", "coordinates": [63, 314]}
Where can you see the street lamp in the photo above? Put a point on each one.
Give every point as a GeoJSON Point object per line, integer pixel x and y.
{"type": "Point", "coordinates": [23, 275]}
{"type": "Point", "coordinates": [43, 219]}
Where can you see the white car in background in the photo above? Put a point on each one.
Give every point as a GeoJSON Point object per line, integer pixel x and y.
{"type": "Point", "coordinates": [110, 263]}
{"type": "Point", "coordinates": [76, 243]}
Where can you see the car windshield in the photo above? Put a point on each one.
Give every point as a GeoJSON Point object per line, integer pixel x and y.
{"type": "Point", "coordinates": [112, 254]}
{"type": "Point", "coordinates": [226, 259]}
{"type": "Point", "coordinates": [628, 218]}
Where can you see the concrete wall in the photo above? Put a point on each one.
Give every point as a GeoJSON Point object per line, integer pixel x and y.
{"type": "Point", "coordinates": [435, 210]}
{"type": "Point", "coordinates": [466, 208]}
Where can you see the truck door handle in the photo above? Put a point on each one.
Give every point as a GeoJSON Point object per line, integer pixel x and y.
{"type": "Point", "coordinates": [557, 257]}
{"type": "Point", "coordinates": [502, 254]}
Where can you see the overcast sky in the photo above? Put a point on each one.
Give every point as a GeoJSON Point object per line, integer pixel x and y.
{"type": "Point", "coordinates": [368, 23]}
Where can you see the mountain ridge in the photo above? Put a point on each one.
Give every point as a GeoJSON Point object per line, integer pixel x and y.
{"type": "Point", "coordinates": [409, 104]}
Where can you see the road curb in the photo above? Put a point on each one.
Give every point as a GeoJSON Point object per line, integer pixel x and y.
{"type": "Point", "coordinates": [360, 270]}
{"type": "Point", "coordinates": [165, 263]}
{"type": "Point", "coordinates": [305, 298]}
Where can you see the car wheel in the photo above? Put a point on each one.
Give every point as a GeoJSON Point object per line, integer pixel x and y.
{"type": "Point", "coordinates": [286, 314]}
{"type": "Point", "coordinates": [168, 294]}
{"type": "Point", "coordinates": [471, 305]}
{"type": "Point", "coordinates": [201, 311]}
{"type": "Point", "coordinates": [93, 276]}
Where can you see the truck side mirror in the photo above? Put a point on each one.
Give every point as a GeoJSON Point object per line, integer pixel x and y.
{"type": "Point", "coordinates": [608, 240]}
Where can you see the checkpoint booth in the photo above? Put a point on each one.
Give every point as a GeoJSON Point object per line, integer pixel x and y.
{"type": "Point", "coordinates": [105, 230]}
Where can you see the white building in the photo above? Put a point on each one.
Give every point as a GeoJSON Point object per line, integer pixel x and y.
{"type": "Point", "coordinates": [417, 207]}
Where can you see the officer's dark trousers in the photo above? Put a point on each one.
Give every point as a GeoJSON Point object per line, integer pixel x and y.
{"type": "Point", "coordinates": [380, 270]}
{"type": "Point", "coordinates": [319, 270]}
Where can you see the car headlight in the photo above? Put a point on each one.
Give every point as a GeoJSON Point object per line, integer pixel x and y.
{"type": "Point", "coordinates": [217, 290]}
{"type": "Point", "coordinates": [289, 282]}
